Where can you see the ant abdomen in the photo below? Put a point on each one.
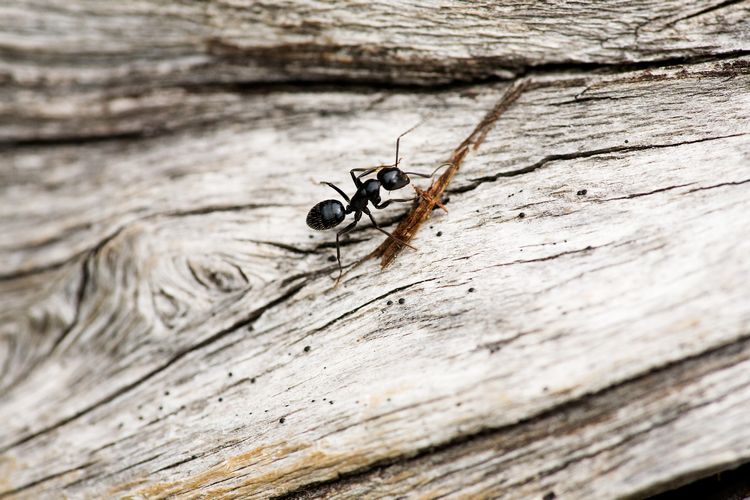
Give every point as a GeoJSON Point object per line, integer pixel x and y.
{"type": "Point", "coordinates": [326, 214]}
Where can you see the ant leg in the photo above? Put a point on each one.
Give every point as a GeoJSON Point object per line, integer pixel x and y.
{"type": "Point", "coordinates": [338, 190]}
{"type": "Point", "coordinates": [388, 202]}
{"type": "Point", "coordinates": [355, 178]}
{"type": "Point", "coordinates": [338, 249]}
{"type": "Point", "coordinates": [386, 232]}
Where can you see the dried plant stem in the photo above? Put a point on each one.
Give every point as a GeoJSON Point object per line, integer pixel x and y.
{"type": "Point", "coordinates": [409, 225]}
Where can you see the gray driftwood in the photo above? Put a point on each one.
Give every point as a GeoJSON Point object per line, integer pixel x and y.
{"type": "Point", "coordinates": [577, 324]}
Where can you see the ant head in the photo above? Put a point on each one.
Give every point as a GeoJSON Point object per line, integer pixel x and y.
{"type": "Point", "coordinates": [392, 178]}
{"type": "Point", "coordinates": [326, 214]}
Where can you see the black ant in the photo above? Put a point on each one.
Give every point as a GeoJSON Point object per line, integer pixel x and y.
{"type": "Point", "coordinates": [330, 213]}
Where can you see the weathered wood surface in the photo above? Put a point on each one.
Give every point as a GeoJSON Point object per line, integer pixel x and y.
{"type": "Point", "coordinates": [160, 288]}
{"type": "Point", "coordinates": [86, 68]}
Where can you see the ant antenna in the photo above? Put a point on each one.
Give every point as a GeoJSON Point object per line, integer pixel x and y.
{"type": "Point", "coordinates": [418, 174]}
{"type": "Point", "coordinates": [398, 139]}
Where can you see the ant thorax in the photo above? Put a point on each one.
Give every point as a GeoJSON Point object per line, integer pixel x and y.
{"type": "Point", "coordinates": [372, 190]}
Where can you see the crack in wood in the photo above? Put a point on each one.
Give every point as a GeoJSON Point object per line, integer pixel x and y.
{"type": "Point", "coordinates": [723, 184]}
{"type": "Point", "coordinates": [723, 355]}
{"type": "Point", "coordinates": [707, 10]}
{"type": "Point", "coordinates": [365, 85]}
{"type": "Point", "coordinates": [552, 257]}
{"type": "Point", "coordinates": [582, 154]}
{"type": "Point", "coordinates": [352, 311]}
{"type": "Point", "coordinates": [287, 247]}
{"type": "Point", "coordinates": [646, 193]}
{"type": "Point", "coordinates": [671, 188]}
{"type": "Point", "coordinates": [177, 464]}
{"type": "Point", "coordinates": [136, 464]}
{"type": "Point", "coordinates": [42, 480]}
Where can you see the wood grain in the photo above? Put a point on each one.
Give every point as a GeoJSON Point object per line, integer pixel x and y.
{"type": "Point", "coordinates": [169, 325]}
{"type": "Point", "coordinates": [92, 69]}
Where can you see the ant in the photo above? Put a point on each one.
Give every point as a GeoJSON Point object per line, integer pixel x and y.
{"type": "Point", "coordinates": [330, 213]}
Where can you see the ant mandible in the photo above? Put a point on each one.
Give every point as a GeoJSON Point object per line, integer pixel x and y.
{"type": "Point", "coordinates": [330, 213]}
